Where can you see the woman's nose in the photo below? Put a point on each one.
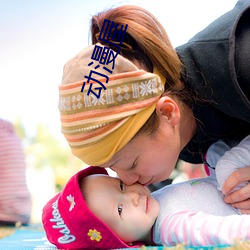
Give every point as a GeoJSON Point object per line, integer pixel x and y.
{"type": "Point", "coordinates": [126, 177]}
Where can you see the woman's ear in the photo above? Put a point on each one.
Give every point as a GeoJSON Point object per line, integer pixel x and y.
{"type": "Point", "coordinates": [168, 109]}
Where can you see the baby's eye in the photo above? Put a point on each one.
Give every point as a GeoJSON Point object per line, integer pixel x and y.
{"type": "Point", "coordinates": [120, 206]}
{"type": "Point", "coordinates": [121, 186]}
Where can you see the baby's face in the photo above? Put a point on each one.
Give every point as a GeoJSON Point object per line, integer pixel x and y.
{"type": "Point", "coordinates": [130, 211]}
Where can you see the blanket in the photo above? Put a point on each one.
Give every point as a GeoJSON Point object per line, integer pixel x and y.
{"type": "Point", "coordinates": [33, 237]}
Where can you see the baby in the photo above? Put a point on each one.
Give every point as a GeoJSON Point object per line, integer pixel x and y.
{"type": "Point", "coordinates": [96, 211]}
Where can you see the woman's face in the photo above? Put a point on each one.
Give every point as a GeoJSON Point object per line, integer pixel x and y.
{"type": "Point", "coordinates": [148, 159]}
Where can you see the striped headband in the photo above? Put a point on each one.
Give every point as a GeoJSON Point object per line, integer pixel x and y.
{"type": "Point", "coordinates": [97, 128]}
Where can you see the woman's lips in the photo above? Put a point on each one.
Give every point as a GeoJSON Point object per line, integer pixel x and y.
{"type": "Point", "coordinates": [148, 183]}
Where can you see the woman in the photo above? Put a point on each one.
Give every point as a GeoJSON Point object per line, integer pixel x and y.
{"type": "Point", "coordinates": [195, 96]}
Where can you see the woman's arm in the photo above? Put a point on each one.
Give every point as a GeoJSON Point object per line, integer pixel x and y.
{"type": "Point", "coordinates": [233, 175]}
{"type": "Point", "coordinates": [231, 161]}
{"type": "Point", "coordinates": [237, 157]}
{"type": "Point", "coordinates": [240, 198]}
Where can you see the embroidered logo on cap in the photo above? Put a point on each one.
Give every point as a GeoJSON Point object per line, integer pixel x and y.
{"type": "Point", "coordinates": [60, 224]}
{"type": "Point", "coordinates": [94, 235]}
{"type": "Point", "coordinates": [72, 203]}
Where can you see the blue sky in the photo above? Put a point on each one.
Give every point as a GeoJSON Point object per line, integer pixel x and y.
{"type": "Point", "coordinates": [38, 37]}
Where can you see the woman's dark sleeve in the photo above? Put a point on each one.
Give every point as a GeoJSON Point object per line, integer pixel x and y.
{"type": "Point", "coordinates": [216, 62]}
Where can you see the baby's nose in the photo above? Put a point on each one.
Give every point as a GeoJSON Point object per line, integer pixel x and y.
{"type": "Point", "coordinates": [133, 197]}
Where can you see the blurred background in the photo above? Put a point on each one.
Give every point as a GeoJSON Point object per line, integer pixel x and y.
{"type": "Point", "coordinates": [37, 38]}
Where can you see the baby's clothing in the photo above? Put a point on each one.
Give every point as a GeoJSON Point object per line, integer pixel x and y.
{"type": "Point", "coordinates": [194, 212]}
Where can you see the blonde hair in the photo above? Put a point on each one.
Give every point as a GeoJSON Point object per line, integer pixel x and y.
{"type": "Point", "coordinates": [146, 42]}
